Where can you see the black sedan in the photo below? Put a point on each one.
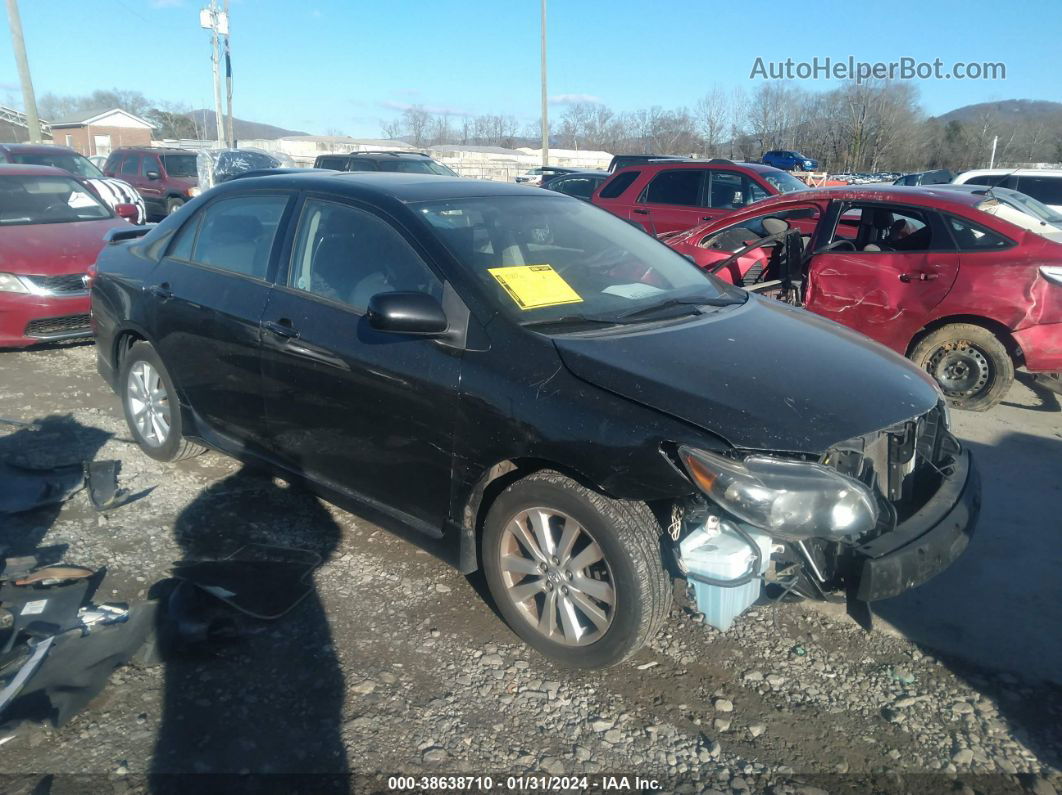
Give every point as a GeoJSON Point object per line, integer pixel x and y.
{"type": "Point", "coordinates": [536, 386]}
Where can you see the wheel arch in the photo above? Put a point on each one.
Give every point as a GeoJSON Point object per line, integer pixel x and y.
{"type": "Point", "coordinates": [491, 483]}
{"type": "Point", "coordinates": [1001, 331]}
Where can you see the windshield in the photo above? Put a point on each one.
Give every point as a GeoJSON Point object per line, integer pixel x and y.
{"type": "Point", "coordinates": [180, 165]}
{"type": "Point", "coordinates": [551, 258]}
{"type": "Point", "coordinates": [784, 182]}
{"type": "Point", "coordinates": [47, 200]}
{"type": "Point", "coordinates": [416, 167]}
{"type": "Point", "coordinates": [67, 161]}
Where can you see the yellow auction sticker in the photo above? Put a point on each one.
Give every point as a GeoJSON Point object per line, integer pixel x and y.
{"type": "Point", "coordinates": [535, 286]}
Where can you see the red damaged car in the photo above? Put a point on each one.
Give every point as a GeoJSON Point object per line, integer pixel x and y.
{"type": "Point", "coordinates": [52, 228]}
{"type": "Point", "coordinates": [932, 274]}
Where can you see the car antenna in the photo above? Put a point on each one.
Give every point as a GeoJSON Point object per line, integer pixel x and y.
{"type": "Point", "coordinates": [999, 182]}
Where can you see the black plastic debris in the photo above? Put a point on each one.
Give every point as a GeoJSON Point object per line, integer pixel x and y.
{"type": "Point", "coordinates": [258, 580]}
{"type": "Point", "coordinates": [25, 488]}
{"type": "Point", "coordinates": [58, 648]}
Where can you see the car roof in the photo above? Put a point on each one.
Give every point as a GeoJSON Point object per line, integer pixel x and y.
{"type": "Point", "coordinates": [37, 149]}
{"type": "Point", "coordinates": [928, 195]}
{"type": "Point", "coordinates": [717, 163]}
{"type": "Point", "coordinates": [160, 150]}
{"type": "Point", "coordinates": [377, 155]}
{"type": "Point", "coordinates": [1020, 172]}
{"type": "Point", "coordinates": [17, 169]}
{"type": "Point", "coordinates": [405, 188]}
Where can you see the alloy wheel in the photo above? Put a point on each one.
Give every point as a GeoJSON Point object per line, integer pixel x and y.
{"type": "Point", "coordinates": [149, 404]}
{"type": "Point", "coordinates": [556, 575]}
{"type": "Point", "coordinates": [961, 368]}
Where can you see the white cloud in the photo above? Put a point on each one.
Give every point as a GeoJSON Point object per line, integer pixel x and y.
{"type": "Point", "coordinates": [448, 110]}
{"type": "Point", "coordinates": [575, 99]}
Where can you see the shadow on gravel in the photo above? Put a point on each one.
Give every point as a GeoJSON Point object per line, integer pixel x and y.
{"type": "Point", "coordinates": [1049, 401]}
{"type": "Point", "coordinates": [263, 712]}
{"type": "Point", "coordinates": [52, 441]}
{"type": "Point", "coordinates": [993, 617]}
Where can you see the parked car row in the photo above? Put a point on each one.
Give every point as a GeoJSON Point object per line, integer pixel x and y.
{"type": "Point", "coordinates": [584, 412]}
{"type": "Point", "coordinates": [52, 227]}
{"type": "Point", "coordinates": [919, 270]}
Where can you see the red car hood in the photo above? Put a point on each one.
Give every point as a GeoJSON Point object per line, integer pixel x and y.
{"type": "Point", "coordinates": [53, 249]}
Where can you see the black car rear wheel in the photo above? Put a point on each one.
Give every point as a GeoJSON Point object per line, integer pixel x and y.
{"type": "Point", "coordinates": [969, 362]}
{"type": "Point", "coordinates": [152, 410]}
{"type": "Point", "coordinates": [576, 574]}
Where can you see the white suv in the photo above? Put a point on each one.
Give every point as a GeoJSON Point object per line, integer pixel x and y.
{"type": "Point", "coordinates": [1043, 184]}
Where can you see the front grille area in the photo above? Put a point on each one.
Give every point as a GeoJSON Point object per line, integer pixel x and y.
{"type": "Point", "coordinates": [904, 464]}
{"type": "Point", "coordinates": [55, 327]}
{"type": "Point", "coordinates": [60, 285]}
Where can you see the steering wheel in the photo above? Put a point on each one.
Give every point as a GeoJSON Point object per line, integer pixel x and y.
{"type": "Point", "coordinates": [55, 209]}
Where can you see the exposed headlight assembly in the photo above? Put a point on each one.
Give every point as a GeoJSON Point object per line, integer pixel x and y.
{"type": "Point", "coordinates": [10, 283]}
{"type": "Point", "coordinates": [788, 499]}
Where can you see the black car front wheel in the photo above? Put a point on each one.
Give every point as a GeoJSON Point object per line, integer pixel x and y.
{"type": "Point", "coordinates": [151, 407]}
{"type": "Point", "coordinates": [969, 362]}
{"type": "Point", "coordinates": [576, 574]}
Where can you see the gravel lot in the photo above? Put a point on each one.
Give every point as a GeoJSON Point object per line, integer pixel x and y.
{"type": "Point", "coordinates": [396, 664]}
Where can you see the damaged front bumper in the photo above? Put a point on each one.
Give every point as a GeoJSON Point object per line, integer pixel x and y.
{"type": "Point", "coordinates": [925, 544]}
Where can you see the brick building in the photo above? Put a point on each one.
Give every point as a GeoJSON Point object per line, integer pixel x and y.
{"type": "Point", "coordinates": [97, 132]}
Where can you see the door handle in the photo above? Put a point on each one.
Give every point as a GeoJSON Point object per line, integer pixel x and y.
{"type": "Point", "coordinates": [707, 217]}
{"type": "Point", "coordinates": [282, 328]}
{"type": "Point", "coordinates": [920, 277]}
{"type": "Point", "coordinates": [161, 291]}
{"type": "Point", "coordinates": [640, 212]}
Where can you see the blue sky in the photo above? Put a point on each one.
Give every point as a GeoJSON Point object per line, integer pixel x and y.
{"type": "Point", "coordinates": [317, 65]}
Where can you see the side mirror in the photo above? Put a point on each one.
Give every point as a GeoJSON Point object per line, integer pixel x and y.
{"type": "Point", "coordinates": [407, 313]}
{"type": "Point", "coordinates": [152, 175]}
{"type": "Point", "coordinates": [126, 211]}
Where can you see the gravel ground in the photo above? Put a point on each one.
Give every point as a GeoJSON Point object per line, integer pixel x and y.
{"type": "Point", "coordinates": [396, 664]}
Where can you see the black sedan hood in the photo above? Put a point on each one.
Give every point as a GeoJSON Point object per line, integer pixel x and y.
{"type": "Point", "coordinates": [763, 376]}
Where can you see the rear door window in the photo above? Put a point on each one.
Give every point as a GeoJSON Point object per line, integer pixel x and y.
{"type": "Point", "coordinates": [130, 166]}
{"type": "Point", "coordinates": [679, 186]}
{"type": "Point", "coordinates": [236, 234]}
{"type": "Point", "coordinates": [972, 237]}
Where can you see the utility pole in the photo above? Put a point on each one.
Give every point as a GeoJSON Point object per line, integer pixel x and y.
{"type": "Point", "coordinates": [545, 96]}
{"type": "Point", "coordinates": [29, 101]}
{"type": "Point", "coordinates": [992, 159]}
{"type": "Point", "coordinates": [228, 79]}
{"type": "Point", "coordinates": [213, 20]}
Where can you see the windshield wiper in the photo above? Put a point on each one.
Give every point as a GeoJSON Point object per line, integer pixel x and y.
{"type": "Point", "coordinates": [569, 320]}
{"type": "Point", "coordinates": [671, 302]}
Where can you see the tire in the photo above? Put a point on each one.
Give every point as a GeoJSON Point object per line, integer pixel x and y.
{"type": "Point", "coordinates": [627, 589]}
{"type": "Point", "coordinates": [173, 205]}
{"type": "Point", "coordinates": [969, 362]}
{"type": "Point", "coordinates": [151, 410]}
